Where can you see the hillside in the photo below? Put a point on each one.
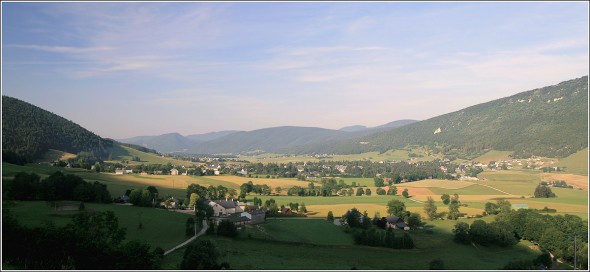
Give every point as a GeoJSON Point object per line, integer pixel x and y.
{"type": "Point", "coordinates": [29, 131]}
{"type": "Point", "coordinates": [550, 121]}
{"type": "Point", "coordinates": [277, 139]}
{"type": "Point", "coordinates": [576, 163]}
{"type": "Point", "coordinates": [165, 143]}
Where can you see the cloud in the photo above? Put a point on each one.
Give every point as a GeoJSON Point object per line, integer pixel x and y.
{"type": "Point", "coordinates": [63, 49]}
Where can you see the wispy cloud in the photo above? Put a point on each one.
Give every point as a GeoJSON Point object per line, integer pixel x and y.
{"type": "Point", "coordinates": [62, 49]}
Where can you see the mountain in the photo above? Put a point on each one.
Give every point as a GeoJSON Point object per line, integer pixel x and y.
{"type": "Point", "coordinates": [397, 123]}
{"type": "Point", "coordinates": [276, 139]}
{"type": "Point", "coordinates": [29, 131]}
{"type": "Point", "coordinates": [354, 128]}
{"type": "Point", "coordinates": [209, 136]}
{"type": "Point", "coordinates": [174, 142]}
{"type": "Point", "coordinates": [550, 121]}
{"type": "Point", "coordinates": [165, 143]}
{"type": "Point", "coordinates": [394, 124]}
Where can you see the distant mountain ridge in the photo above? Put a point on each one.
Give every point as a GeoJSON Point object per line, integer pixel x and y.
{"type": "Point", "coordinates": [275, 139]}
{"type": "Point", "coordinates": [551, 121]}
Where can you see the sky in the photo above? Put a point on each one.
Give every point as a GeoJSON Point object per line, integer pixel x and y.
{"type": "Point", "coordinates": [124, 69]}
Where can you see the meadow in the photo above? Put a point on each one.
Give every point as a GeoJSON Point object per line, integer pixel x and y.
{"type": "Point", "coordinates": [160, 228]}
{"type": "Point", "coordinates": [282, 249]}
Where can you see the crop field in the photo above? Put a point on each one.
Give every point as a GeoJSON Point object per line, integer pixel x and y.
{"type": "Point", "coordinates": [391, 155]}
{"type": "Point", "coordinates": [439, 183]}
{"type": "Point", "coordinates": [571, 179]}
{"type": "Point", "coordinates": [236, 181]}
{"type": "Point", "coordinates": [493, 155]}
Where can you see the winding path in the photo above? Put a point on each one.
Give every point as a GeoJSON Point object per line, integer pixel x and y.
{"type": "Point", "coordinates": [203, 230]}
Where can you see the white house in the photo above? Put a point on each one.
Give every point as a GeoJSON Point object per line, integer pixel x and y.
{"type": "Point", "coordinates": [174, 172]}
{"type": "Point", "coordinates": [225, 207]}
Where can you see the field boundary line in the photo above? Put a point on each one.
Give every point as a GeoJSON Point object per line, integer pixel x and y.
{"type": "Point", "coordinates": [494, 189]}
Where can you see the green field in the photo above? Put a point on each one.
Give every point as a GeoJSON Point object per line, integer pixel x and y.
{"type": "Point", "coordinates": [120, 153]}
{"type": "Point", "coordinates": [391, 155]}
{"type": "Point", "coordinates": [576, 163]}
{"type": "Point", "coordinates": [161, 228]}
{"type": "Point", "coordinates": [310, 231]}
{"type": "Point", "coordinates": [493, 155]}
{"type": "Point", "coordinates": [322, 254]}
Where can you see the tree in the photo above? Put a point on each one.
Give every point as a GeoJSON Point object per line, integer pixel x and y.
{"type": "Point", "coordinates": [392, 190]}
{"type": "Point", "coordinates": [396, 208]}
{"type": "Point", "coordinates": [430, 209]}
{"type": "Point", "coordinates": [381, 191]}
{"type": "Point", "coordinates": [405, 193]}
{"type": "Point", "coordinates": [379, 182]}
{"type": "Point", "coordinates": [278, 190]}
{"type": "Point", "coordinates": [543, 191]}
{"type": "Point", "coordinates": [353, 218]}
{"type": "Point", "coordinates": [302, 208]}
{"type": "Point", "coordinates": [330, 217]}
{"type": "Point", "coordinates": [491, 208]}
{"type": "Point", "coordinates": [461, 231]}
{"type": "Point", "coordinates": [415, 221]}
{"type": "Point", "coordinates": [454, 211]}
{"type": "Point", "coordinates": [446, 199]}
{"type": "Point", "coordinates": [194, 198]}
{"type": "Point", "coordinates": [436, 264]}
{"type": "Point", "coordinates": [359, 191]}
{"type": "Point", "coordinates": [227, 228]}
{"type": "Point", "coordinates": [368, 192]}
{"type": "Point", "coordinates": [200, 255]}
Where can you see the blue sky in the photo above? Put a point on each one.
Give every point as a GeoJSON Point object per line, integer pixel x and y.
{"type": "Point", "coordinates": [130, 69]}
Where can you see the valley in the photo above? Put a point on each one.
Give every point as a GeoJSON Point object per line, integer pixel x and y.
{"type": "Point", "coordinates": [353, 168]}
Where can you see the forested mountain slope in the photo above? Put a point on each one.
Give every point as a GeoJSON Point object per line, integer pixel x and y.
{"type": "Point", "coordinates": [28, 131]}
{"type": "Point", "coordinates": [550, 121]}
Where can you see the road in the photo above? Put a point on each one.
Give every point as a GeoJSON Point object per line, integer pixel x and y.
{"type": "Point", "coordinates": [203, 230]}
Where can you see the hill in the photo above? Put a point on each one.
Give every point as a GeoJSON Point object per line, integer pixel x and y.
{"type": "Point", "coordinates": [28, 132]}
{"type": "Point", "coordinates": [165, 143]}
{"type": "Point", "coordinates": [209, 136]}
{"type": "Point", "coordinates": [277, 140]}
{"type": "Point", "coordinates": [550, 121]}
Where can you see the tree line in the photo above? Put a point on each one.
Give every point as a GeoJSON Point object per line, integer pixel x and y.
{"type": "Point", "coordinates": [57, 186]}
{"type": "Point", "coordinates": [90, 241]}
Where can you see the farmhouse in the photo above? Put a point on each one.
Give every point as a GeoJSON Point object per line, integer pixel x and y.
{"type": "Point", "coordinates": [225, 207]}
{"type": "Point", "coordinates": [174, 172]}
{"type": "Point", "coordinates": [285, 211]}
{"type": "Point", "coordinates": [119, 171]}
{"type": "Point", "coordinates": [256, 216]}
{"type": "Point", "coordinates": [396, 223]}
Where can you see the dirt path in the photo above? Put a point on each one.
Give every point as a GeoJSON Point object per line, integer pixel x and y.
{"type": "Point", "coordinates": [494, 189]}
{"type": "Point", "coordinates": [203, 230]}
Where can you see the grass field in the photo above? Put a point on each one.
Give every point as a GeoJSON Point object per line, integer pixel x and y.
{"type": "Point", "coordinates": [311, 231]}
{"type": "Point", "coordinates": [576, 163]}
{"type": "Point", "coordinates": [493, 155]}
{"type": "Point", "coordinates": [120, 153]}
{"type": "Point", "coordinates": [53, 155]}
{"type": "Point", "coordinates": [391, 155]}
{"type": "Point", "coordinates": [280, 253]}
{"type": "Point", "coordinates": [160, 227]}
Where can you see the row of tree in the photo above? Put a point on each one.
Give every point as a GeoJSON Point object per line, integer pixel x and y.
{"type": "Point", "coordinates": [57, 186]}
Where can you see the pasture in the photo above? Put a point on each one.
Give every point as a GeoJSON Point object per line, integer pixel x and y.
{"type": "Point", "coordinates": [576, 163]}
{"type": "Point", "coordinates": [286, 252]}
{"type": "Point", "coordinates": [493, 155]}
{"type": "Point", "coordinates": [160, 227]}
{"type": "Point", "coordinates": [124, 153]}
